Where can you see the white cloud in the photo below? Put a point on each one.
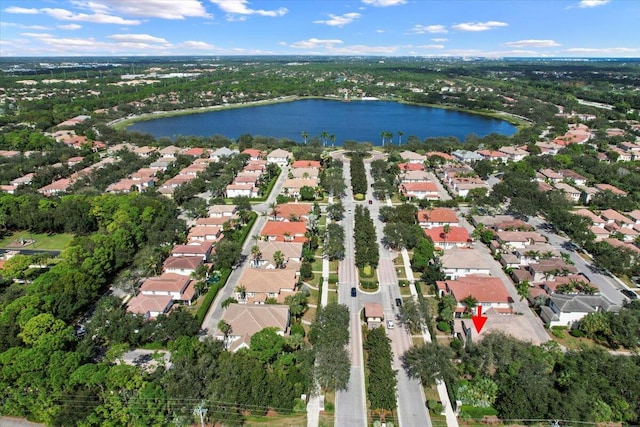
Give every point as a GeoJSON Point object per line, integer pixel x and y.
{"type": "Point", "coordinates": [439, 40]}
{"type": "Point", "coordinates": [593, 3]}
{"type": "Point", "coordinates": [380, 31]}
{"type": "Point", "coordinates": [137, 38]}
{"type": "Point", "coordinates": [423, 29]}
{"type": "Point", "coordinates": [192, 44]}
{"type": "Point", "coordinates": [533, 43]}
{"type": "Point", "coordinates": [363, 50]}
{"type": "Point", "coordinates": [384, 3]}
{"type": "Point", "coordinates": [70, 27]}
{"type": "Point", "coordinates": [603, 50]}
{"type": "Point", "coordinates": [165, 9]}
{"type": "Point", "coordinates": [96, 18]}
{"type": "Point", "coordinates": [339, 21]}
{"type": "Point", "coordinates": [431, 46]}
{"type": "Point", "coordinates": [491, 53]}
{"type": "Point", "coordinates": [240, 7]}
{"type": "Point", "coordinates": [479, 26]}
{"type": "Point", "coordinates": [314, 43]}
{"type": "Point", "coordinates": [22, 10]}
{"type": "Point", "coordinates": [24, 27]}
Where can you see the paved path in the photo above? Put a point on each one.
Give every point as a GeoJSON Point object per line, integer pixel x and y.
{"type": "Point", "coordinates": [17, 422]}
{"type": "Point", "coordinates": [215, 312]}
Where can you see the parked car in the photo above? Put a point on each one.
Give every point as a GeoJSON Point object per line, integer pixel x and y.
{"type": "Point", "coordinates": [354, 292]}
{"type": "Point", "coordinates": [629, 294]}
{"type": "Point", "coordinates": [398, 302]}
{"type": "Point", "coordinates": [370, 201]}
{"type": "Point", "coordinates": [390, 324]}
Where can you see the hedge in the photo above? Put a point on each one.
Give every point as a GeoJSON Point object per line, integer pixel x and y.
{"type": "Point", "coordinates": [211, 295]}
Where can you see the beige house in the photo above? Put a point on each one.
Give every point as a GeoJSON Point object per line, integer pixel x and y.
{"type": "Point", "coordinates": [247, 320]}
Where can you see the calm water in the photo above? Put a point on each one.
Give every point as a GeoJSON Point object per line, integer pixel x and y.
{"type": "Point", "coordinates": [355, 120]}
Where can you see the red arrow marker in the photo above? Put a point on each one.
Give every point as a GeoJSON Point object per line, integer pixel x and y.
{"type": "Point", "coordinates": [479, 320]}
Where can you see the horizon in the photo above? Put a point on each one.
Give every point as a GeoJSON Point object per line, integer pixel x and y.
{"type": "Point", "coordinates": [490, 29]}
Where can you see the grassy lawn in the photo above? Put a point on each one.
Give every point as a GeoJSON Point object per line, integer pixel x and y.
{"type": "Point", "coordinates": [54, 242]}
{"type": "Point", "coordinates": [405, 291]}
{"type": "Point", "coordinates": [332, 297]}
{"type": "Point", "coordinates": [317, 264]}
{"type": "Point", "coordinates": [310, 315]}
{"type": "Point", "coordinates": [279, 420]}
{"type": "Point", "coordinates": [573, 343]}
{"type": "Point", "coordinates": [333, 265]}
{"type": "Point", "coordinates": [314, 296]}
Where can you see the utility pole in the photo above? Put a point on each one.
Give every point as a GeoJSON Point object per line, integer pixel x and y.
{"type": "Point", "coordinates": [201, 412]}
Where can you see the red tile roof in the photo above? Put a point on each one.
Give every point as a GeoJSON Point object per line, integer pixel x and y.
{"type": "Point", "coordinates": [483, 289]}
{"type": "Point", "coordinates": [411, 166]}
{"type": "Point", "coordinates": [455, 235]}
{"type": "Point", "coordinates": [306, 164]}
{"type": "Point", "coordinates": [279, 228]}
{"type": "Point", "coordinates": [437, 215]}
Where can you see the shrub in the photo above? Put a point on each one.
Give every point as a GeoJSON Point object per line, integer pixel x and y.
{"type": "Point", "coordinates": [403, 283]}
{"type": "Point", "coordinates": [359, 196]}
{"type": "Point", "coordinates": [297, 328]}
{"type": "Point", "coordinates": [305, 271]}
{"type": "Point", "coordinates": [366, 271]}
{"type": "Point", "coordinates": [457, 345]}
{"type": "Point", "coordinates": [558, 331]}
{"type": "Point", "coordinates": [472, 412]}
{"type": "Point", "coordinates": [444, 326]}
{"type": "Point", "coordinates": [577, 333]}
{"type": "Point", "coordinates": [435, 407]}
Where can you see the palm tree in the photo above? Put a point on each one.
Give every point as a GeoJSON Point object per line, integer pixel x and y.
{"type": "Point", "coordinates": [523, 289]}
{"type": "Point", "coordinates": [305, 135]}
{"type": "Point", "coordinates": [469, 303]}
{"type": "Point", "coordinates": [297, 304]}
{"type": "Point", "coordinates": [227, 302]}
{"type": "Point", "coordinates": [273, 206]}
{"type": "Point", "coordinates": [241, 290]}
{"type": "Point", "coordinates": [332, 138]}
{"type": "Point", "coordinates": [225, 329]}
{"type": "Point", "coordinates": [383, 134]}
{"type": "Point", "coordinates": [324, 135]}
{"type": "Point", "coordinates": [446, 229]}
{"type": "Point", "coordinates": [400, 133]}
{"type": "Point", "coordinates": [294, 342]}
{"type": "Point", "coordinates": [278, 259]}
{"type": "Point", "coordinates": [256, 254]}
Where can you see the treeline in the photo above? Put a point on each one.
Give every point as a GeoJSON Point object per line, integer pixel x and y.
{"type": "Point", "coordinates": [520, 381]}
{"type": "Point", "coordinates": [366, 245]}
{"type": "Point", "coordinates": [381, 378]}
{"type": "Point", "coordinates": [358, 176]}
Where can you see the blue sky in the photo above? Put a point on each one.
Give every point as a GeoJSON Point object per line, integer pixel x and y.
{"type": "Point", "coordinates": [496, 28]}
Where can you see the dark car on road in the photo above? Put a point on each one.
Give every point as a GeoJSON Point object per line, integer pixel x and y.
{"type": "Point", "coordinates": [398, 302]}
{"type": "Point", "coordinates": [629, 294]}
{"type": "Point", "coordinates": [353, 292]}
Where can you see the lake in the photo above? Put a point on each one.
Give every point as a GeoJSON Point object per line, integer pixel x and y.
{"type": "Point", "coordinates": [356, 120]}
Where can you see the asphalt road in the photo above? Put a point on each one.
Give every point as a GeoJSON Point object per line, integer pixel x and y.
{"type": "Point", "coordinates": [215, 312]}
{"type": "Point", "coordinates": [609, 287]}
{"type": "Point", "coordinates": [411, 403]}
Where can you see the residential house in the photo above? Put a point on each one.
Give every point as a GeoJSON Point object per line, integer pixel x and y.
{"type": "Point", "coordinates": [568, 310]}
{"type": "Point", "coordinates": [169, 284]}
{"type": "Point", "coordinates": [306, 164]}
{"type": "Point", "coordinates": [150, 306]}
{"type": "Point", "coordinates": [414, 176]}
{"type": "Point", "coordinates": [611, 216]}
{"type": "Point", "coordinates": [549, 175]}
{"type": "Point", "coordinates": [253, 153]}
{"type": "Point", "coordinates": [291, 252]}
{"type": "Point", "coordinates": [466, 156]}
{"type": "Point", "coordinates": [256, 285]}
{"type": "Point", "coordinates": [291, 211]}
{"type": "Point", "coordinates": [437, 217]}
{"type": "Point", "coordinates": [195, 152]}
{"type": "Point", "coordinates": [489, 292]}
{"type": "Point", "coordinates": [292, 187]}
{"type": "Point", "coordinates": [404, 167]}
{"type": "Point", "coordinates": [247, 320]}
{"type": "Point", "coordinates": [455, 237]}
{"type": "Point", "coordinates": [373, 314]}
{"type": "Point", "coordinates": [205, 233]}
{"type": "Point", "coordinates": [199, 249]}
{"type": "Point", "coordinates": [515, 154]}
{"type": "Point", "coordinates": [170, 151]}
{"type": "Point", "coordinates": [459, 262]}
{"type": "Point", "coordinates": [144, 151]}
{"type": "Point", "coordinates": [547, 269]}
{"type": "Point", "coordinates": [182, 265]}
{"type": "Point", "coordinates": [219, 211]}
{"type": "Point", "coordinates": [493, 155]}
{"type": "Point", "coordinates": [419, 190]}
{"type": "Point", "coordinates": [223, 152]}
{"type": "Point", "coordinates": [571, 194]}
{"type": "Point", "coordinates": [241, 190]}
{"type": "Point", "coordinates": [305, 173]}
{"type": "Point", "coordinates": [412, 157]}
{"type": "Point", "coordinates": [612, 188]}
{"type": "Point", "coordinates": [575, 177]}
{"type": "Point", "coordinates": [518, 239]}
{"type": "Point", "coordinates": [56, 187]}
{"type": "Point", "coordinates": [280, 157]}
{"type": "Point", "coordinates": [284, 231]}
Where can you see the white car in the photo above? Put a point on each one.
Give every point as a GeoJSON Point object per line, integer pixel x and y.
{"type": "Point", "coordinates": [389, 324]}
